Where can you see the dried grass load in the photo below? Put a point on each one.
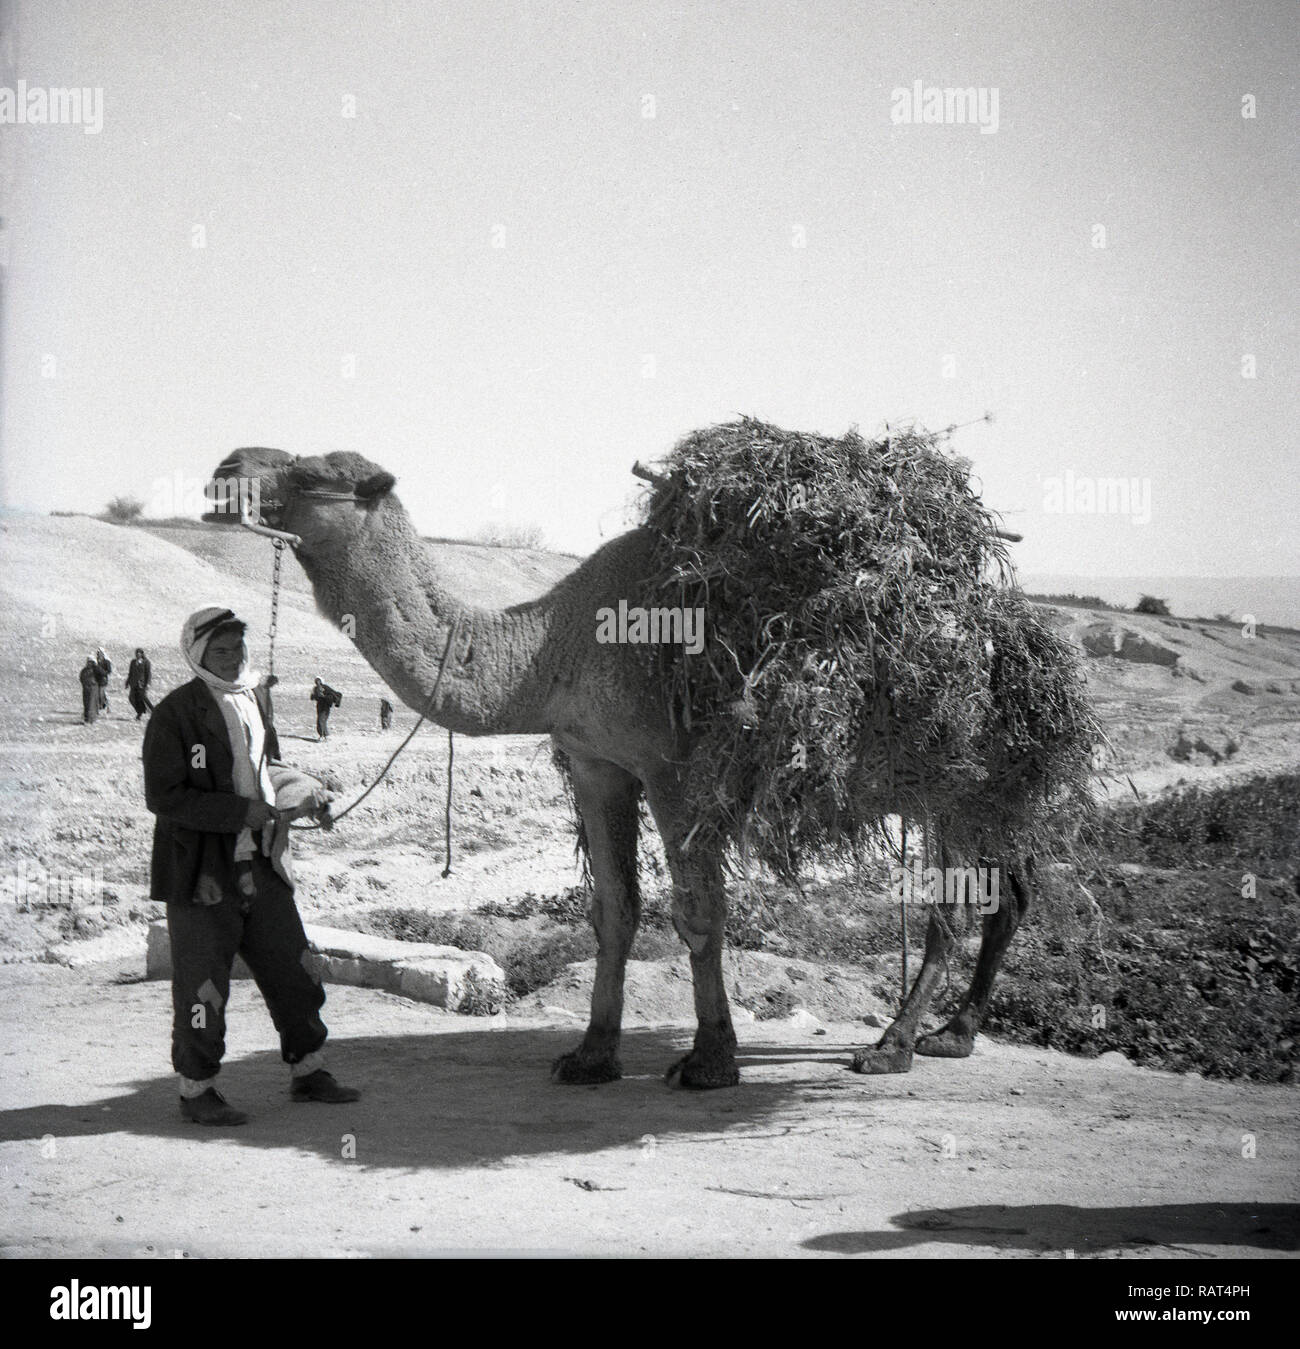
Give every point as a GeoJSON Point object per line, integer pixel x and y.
{"type": "Point", "coordinates": [864, 654]}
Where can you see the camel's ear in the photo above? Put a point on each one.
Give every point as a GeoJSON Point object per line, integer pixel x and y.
{"type": "Point", "coordinates": [376, 485]}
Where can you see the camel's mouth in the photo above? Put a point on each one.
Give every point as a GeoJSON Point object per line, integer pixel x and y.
{"type": "Point", "coordinates": [245, 488]}
{"type": "Point", "coordinates": [237, 501]}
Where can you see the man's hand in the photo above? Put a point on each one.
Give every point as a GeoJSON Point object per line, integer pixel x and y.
{"type": "Point", "coordinates": [259, 814]}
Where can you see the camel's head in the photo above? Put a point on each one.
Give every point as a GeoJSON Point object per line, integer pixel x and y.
{"type": "Point", "coordinates": [301, 495]}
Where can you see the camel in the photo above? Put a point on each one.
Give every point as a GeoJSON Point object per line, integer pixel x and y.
{"type": "Point", "coordinates": [537, 668]}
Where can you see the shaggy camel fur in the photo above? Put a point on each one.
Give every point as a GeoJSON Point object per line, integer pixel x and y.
{"type": "Point", "coordinates": [537, 668]}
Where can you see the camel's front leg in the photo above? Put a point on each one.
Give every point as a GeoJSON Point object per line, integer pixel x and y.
{"type": "Point", "coordinates": [699, 915]}
{"type": "Point", "coordinates": [607, 798]}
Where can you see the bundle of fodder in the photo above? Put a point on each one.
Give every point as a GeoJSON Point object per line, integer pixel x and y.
{"type": "Point", "coordinates": [864, 655]}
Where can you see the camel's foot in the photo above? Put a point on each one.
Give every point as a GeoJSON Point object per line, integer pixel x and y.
{"type": "Point", "coordinates": [948, 1042]}
{"type": "Point", "coordinates": [704, 1071]}
{"type": "Point", "coordinates": [581, 1068]}
{"type": "Point", "coordinates": [883, 1058]}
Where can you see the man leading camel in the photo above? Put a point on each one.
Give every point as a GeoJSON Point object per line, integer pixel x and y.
{"type": "Point", "coordinates": [221, 865]}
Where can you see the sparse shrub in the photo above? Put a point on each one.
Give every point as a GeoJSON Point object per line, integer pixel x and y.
{"type": "Point", "coordinates": [482, 997]}
{"type": "Point", "coordinates": [1148, 604]}
{"type": "Point", "coordinates": [511, 536]}
{"type": "Point", "coordinates": [124, 510]}
{"type": "Point", "coordinates": [537, 959]}
{"type": "Point", "coordinates": [771, 1004]}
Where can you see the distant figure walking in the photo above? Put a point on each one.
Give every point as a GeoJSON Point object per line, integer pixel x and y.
{"type": "Point", "coordinates": [138, 675]}
{"type": "Point", "coordinates": [385, 714]}
{"type": "Point", "coordinates": [262, 695]}
{"type": "Point", "coordinates": [326, 699]}
{"type": "Point", "coordinates": [103, 668]}
{"type": "Point", "coordinates": [89, 691]}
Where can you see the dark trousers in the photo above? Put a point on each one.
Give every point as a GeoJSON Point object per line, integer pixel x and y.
{"type": "Point", "coordinates": [205, 940]}
{"type": "Point", "coordinates": [322, 719]}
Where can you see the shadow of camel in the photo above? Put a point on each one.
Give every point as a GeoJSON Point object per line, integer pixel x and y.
{"type": "Point", "coordinates": [470, 1098]}
{"type": "Point", "coordinates": [1086, 1231]}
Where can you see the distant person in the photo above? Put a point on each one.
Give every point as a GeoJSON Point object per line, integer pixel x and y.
{"type": "Point", "coordinates": [263, 695]}
{"type": "Point", "coordinates": [326, 700]}
{"type": "Point", "coordinates": [89, 691]}
{"type": "Point", "coordinates": [385, 714]}
{"type": "Point", "coordinates": [138, 675]}
{"type": "Point", "coordinates": [103, 668]}
{"type": "Point", "coordinates": [221, 864]}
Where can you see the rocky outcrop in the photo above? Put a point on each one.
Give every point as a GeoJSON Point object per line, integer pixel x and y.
{"type": "Point", "coordinates": [1109, 639]}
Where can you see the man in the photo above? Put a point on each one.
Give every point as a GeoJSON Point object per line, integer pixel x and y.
{"type": "Point", "coordinates": [103, 668]}
{"type": "Point", "coordinates": [385, 714]}
{"type": "Point", "coordinates": [326, 699]}
{"type": "Point", "coordinates": [138, 675]}
{"type": "Point", "coordinates": [221, 865]}
{"type": "Point", "coordinates": [89, 691]}
{"type": "Point", "coordinates": [263, 695]}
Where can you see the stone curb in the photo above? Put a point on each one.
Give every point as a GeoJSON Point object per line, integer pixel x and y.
{"type": "Point", "coordinates": [442, 975]}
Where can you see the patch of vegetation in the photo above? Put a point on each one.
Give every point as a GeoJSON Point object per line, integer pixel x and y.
{"type": "Point", "coordinates": [481, 998]}
{"type": "Point", "coordinates": [536, 960]}
{"type": "Point", "coordinates": [511, 536]}
{"type": "Point", "coordinates": [1254, 822]}
{"type": "Point", "coordinates": [1077, 601]}
{"type": "Point", "coordinates": [1149, 604]}
{"type": "Point", "coordinates": [1183, 975]}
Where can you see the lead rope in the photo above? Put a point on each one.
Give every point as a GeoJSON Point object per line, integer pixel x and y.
{"type": "Point", "coordinates": [430, 706]}
{"type": "Point", "coordinates": [275, 606]}
{"type": "Point", "coordinates": [451, 759]}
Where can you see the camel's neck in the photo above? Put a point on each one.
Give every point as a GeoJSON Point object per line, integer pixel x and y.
{"type": "Point", "coordinates": [375, 578]}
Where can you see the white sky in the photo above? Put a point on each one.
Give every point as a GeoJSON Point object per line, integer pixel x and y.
{"type": "Point", "coordinates": [510, 383]}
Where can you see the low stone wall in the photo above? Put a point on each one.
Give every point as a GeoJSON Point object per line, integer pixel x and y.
{"type": "Point", "coordinates": [442, 975]}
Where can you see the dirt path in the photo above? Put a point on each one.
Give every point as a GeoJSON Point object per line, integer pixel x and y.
{"type": "Point", "coordinates": [462, 1144]}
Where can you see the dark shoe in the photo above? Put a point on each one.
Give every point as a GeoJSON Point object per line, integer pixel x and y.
{"type": "Point", "coordinates": [321, 1086]}
{"type": "Point", "coordinates": [210, 1108]}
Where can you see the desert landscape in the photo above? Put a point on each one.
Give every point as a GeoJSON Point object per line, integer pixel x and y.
{"type": "Point", "coordinates": [1166, 1128]}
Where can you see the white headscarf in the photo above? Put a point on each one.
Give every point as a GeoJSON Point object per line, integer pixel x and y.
{"type": "Point", "coordinates": [195, 636]}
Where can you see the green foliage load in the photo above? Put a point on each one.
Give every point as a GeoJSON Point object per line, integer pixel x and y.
{"type": "Point", "coordinates": [864, 655]}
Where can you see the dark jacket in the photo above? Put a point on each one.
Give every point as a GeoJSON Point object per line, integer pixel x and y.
{"type": "Point", "coordinates": [139, 673]}
{"type": "Point", "coordinates": [199, 815]}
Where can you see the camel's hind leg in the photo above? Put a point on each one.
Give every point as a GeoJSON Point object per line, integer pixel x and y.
{"type": "Point", "coordinates": [893, 1052]}
{"type": "Point", "coordinates": [606, 797]}
{"type": "Point", "coordinates": [957, 1039]}
{"type": "Point", "coordinates": [699, 914]}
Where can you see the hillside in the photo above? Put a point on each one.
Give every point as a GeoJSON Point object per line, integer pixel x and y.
{"type": "Point", "coordinates": [478, 573]}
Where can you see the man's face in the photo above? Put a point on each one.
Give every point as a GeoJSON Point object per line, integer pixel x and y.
{"type": "Point", "coordinates": [226, 656]}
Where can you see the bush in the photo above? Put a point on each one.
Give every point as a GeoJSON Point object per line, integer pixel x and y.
{"type": "Point", "coordinates": [537, 959]}
{"type": "Point", "coordinates": [1148, 604]}
{"type": "Point", "coordinates": [124, 510]}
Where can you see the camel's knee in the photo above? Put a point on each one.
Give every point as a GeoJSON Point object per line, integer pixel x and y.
{"type": "Point", "coordinates": [614, 913]}
{"type": "Point", "coordinates": [697, 920]}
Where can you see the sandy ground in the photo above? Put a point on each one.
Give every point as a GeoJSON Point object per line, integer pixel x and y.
{"type": "Point", "coordinates": [461, 1143]}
